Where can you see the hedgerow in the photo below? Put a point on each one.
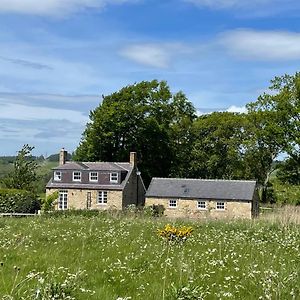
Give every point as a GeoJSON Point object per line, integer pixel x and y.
{"type": "Point", "coordinates": [18, 201]}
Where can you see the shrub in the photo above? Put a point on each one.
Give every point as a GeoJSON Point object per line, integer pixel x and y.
{"type": "Point", "coordinates": [18, 201]}
{"type": "Point", "coordinates": [154, 210]}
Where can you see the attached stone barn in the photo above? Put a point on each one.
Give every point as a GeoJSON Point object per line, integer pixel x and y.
{"type": "Point", "coordinates": [200, 198]}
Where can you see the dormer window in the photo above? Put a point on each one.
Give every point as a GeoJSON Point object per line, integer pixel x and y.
{"type": "Point", "coordinates": [57, 176]}
{"type": "Point", "coordinates": [114, 177]}
{"type": "Point", "coordinates": [94, 176]}
{"type": "Point", "coordinates": [76, 176]}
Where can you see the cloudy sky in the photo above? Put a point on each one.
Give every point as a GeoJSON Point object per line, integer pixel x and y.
{"type": "Point", "coordinates": [57, 57]}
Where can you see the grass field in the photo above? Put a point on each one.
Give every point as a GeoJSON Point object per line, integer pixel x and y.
{"type": "Point", "coordinates": [111, 257]}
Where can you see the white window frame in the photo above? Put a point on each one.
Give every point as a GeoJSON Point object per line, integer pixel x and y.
{"type": "Point", "coordinates": [63, 200]}
{"type": "Point", "coordinates": [57, 175]}
{"type": "Point", "coordinates": [102, 197]}
{"type": "Point", "coordinates": [172, 203]}
{"type": "Point", "coordinates": [200, 205]}
{"type": "Point", "coordinates": [77, 179]}
{"type": "Point", "coordinates": [93, 176]}
{"type": "Point", "coordinates": [114, 177]}
{"type": "Point", "coordinates": [220, 205]}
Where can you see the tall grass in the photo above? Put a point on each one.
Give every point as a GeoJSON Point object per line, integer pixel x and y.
{"type": "Point", "coordinates": [106, 257]}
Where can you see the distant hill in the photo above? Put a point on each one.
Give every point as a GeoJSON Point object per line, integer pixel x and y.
{"type": "Point", "coordinates": [55, 157]}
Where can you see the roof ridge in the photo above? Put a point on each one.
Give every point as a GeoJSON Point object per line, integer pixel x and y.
{"type": "Point", "coordinates": [104, 162]}
{"type": "Point", "coordinates": [195, 179]}
{"type": "Point", "coordinates": [118, 164]}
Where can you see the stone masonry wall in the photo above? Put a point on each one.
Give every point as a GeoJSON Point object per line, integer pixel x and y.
{"type": "Point", "coordinates": [188, 208]}
{"type": "Point", "coordinates": [77, 199]}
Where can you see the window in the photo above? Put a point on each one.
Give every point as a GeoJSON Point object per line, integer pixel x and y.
{"type": "Point", "coordinates": [172, 203]}
{"type": "Point", "coordinates": [102, 197]}
{"type": "Point", "coordinates": [93, 176]}
{"type": "Point", "coordinates": [114, 177]}
{"type": "Point", "coordinates": [63, 200]}
{"type": "Point", "coordinates": [220, 206]}
{"type": "Point", "coordinates": [76, 176]}
{"type": "Point", "coordinates": [201, 205]}
{"type": "Point", "coordinates": [57, 176]}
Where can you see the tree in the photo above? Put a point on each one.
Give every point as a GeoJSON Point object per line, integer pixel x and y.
{"type": "Point", "coordinates": [144, 117]}
{"type": "Point", "coordinates": [289, 171]}
{"type": "Point", "coordinates": [24, 174]}
{"type": "Point", "coordinates": [274, 127]}
{"type": "Point", "coordinates": [217, 147]}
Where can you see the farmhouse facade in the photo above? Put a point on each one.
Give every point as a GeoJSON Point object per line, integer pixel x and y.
{"type": "Point", "coordinates": [96, 185]}
{"type": "Point", "coordinates": [199, 198]}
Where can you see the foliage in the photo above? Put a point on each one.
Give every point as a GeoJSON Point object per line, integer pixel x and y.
{"type": "Point", "coordinates": [177, 234]}
{"type": "Point", "coordinates": [49, 201]}
{"type": "Point", "coordinates": [188, 292]}
{"type": "Point", "coordinates": [289, 171]}
{"type": "Point", "coordinates": [216, 151]}
{"type": "Point", "coordinates": [24, 174]}
{"type": "Point", "coordinates": [286, 193]}
{"type": "Point", "coordinates": [122, 257]}
{"type": "Point", "coordinates": [146, 118]}
{"type": "Point", "coordinates": [55, 283]}
{"type": "Point", "coordinates": [18, 201]}
{"type": "Point", "coordinates": [154, 210]}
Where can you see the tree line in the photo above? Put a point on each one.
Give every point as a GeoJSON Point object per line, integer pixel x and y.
{"type": "Point", "coordinates": [172, 141]}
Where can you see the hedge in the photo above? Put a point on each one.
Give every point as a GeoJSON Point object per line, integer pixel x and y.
{"type": "Point", "coordinates": [18, 201]}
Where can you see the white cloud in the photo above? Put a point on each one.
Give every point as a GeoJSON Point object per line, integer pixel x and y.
{"type": "Point", "coordinates": [154, 55]}
{"type": "Point", "coordinates": [147, 54]}
{"type": "Point", "coordinates": [262, 45]}
{"type": "Point", "coordinates": [237, 109]}
{"type": "Point", "coordinates": [30, 113]}
{"type": "Point", "coordinates": [53, 7]}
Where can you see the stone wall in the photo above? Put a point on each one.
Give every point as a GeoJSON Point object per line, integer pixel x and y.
{"type": "Point", "coordinates": [188, 208]}
{"type": "Point", "coordinates": [77, 199]}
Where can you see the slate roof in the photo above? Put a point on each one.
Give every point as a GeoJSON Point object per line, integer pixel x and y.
{"type": "Point", "coordinates": [92, 166]}
{"type": "Point", "coordinates": [202, 189]}
{"type": "Point", "coordinates": [95, 166]}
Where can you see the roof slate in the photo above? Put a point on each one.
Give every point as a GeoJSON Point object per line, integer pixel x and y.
{"type": "Point", "coordinates": [95, 166]}
{"type": "Point", "coordinates": [202, 189]}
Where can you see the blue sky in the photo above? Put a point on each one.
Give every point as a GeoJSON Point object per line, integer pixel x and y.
{"type": "Point", "coordinates": [57, 57]}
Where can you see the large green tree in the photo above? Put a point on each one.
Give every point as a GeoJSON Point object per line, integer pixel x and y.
{"type": "Point", "coordinates": [143, 117]}
{"type": "Point", "coordinates": [274, 127]}
{"type": "Point", "coordinates": [24, 173]}
{"type": "Point", "coordinates": [217, 147]}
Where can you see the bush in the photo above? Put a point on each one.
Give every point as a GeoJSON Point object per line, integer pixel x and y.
{"type": "Point", "coordinates": [18, 201]}
{"type": "Point", "coordinates": [154, 210]}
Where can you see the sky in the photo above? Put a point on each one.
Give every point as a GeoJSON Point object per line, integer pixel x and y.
{"type": "Point", "coordinates": [58, 57]}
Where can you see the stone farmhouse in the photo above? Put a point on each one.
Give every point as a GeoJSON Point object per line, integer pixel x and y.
{"type": "Point", "coordinates": [96, 185]}
{"type": "Point", "coordinates": [199, 198]}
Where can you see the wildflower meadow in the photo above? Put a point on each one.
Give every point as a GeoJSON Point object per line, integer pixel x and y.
{"type": "Point", "coordinates": [129, 257]}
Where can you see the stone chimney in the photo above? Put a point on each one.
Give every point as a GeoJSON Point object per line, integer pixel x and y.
{"type": "Point", "coordinates": [133, 159]}
{"type": "Point", "coordinates": [62, 156]}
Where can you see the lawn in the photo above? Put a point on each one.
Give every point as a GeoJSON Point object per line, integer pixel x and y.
{"type": "Point", "coordinates": [111, 257]}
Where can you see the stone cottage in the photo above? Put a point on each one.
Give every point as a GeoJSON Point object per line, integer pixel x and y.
{"type": "Point", "coordinates": [96, 185]}
{"type": "Point", "coordinates": [199, 198]}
